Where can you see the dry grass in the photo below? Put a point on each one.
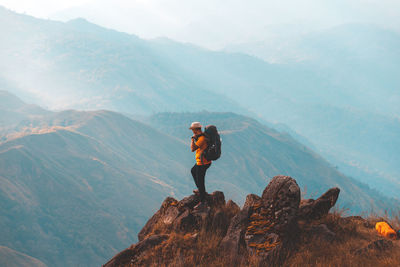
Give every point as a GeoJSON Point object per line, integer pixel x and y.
{"type": "Point", "coordinates": [351, 234]}
{"type": "Point", "coordinates": [393, 219]}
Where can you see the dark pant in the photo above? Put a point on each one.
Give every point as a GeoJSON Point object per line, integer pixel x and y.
{"type": "Point", "coordinates": [198, 173]}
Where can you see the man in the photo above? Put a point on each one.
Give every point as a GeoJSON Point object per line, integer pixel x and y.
{"type": "Point", "coordinates": [199, 144]}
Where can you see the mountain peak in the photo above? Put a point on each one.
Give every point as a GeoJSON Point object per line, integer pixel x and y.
{"type": "Point", "coordinates": [78, 21]}
{"type": "Point", "coordinates": [83, 24]}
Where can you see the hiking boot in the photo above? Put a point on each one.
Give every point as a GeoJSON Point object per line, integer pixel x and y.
{"type": "Point", "coordinates": [200, 206]}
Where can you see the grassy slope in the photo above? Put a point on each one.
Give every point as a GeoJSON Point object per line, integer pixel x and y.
{"type": "Point", "coordinates": [68, 198]}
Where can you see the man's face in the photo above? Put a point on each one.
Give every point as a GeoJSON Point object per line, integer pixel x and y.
{"type": "Point", "coordinates": [196, 131]}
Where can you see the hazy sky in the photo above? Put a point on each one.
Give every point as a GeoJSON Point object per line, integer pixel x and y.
{"type": "Point", "coordinates": [41, 8]}
{"type": "Point", "coordinates": [215, 23]}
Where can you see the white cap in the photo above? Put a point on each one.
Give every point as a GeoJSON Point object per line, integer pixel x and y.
{"type": "Point", "coordinates": [195, 125]}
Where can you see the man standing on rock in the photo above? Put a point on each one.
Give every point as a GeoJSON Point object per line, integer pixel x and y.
{"type": "Point", "coordinates": [199, 144]}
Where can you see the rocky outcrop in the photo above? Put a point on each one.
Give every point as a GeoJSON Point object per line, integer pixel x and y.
{"type": "Point", "coordinates": [180, 216]}
{"type": "Point", "coordinates": [161, 213]}
{"type": "Point", "coordinates": [265, 228]}
{"type": "Point", "coordinates": [311, 209]}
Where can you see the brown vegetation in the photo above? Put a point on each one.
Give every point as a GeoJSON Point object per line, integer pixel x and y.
{"type": "Point", "coordinates": [352, 233]}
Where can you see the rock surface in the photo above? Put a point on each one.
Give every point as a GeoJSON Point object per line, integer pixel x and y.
{"type": "Point", "coordinates": [273, 217]}
{"type": "Point", "coordinates": [167, 203]}
{"type": "Point", "coordinates": [129, 255]}
{"type": "Point", "coordinates": [311, 209]}
{"type": "Point", "coordinates": [234, 239]}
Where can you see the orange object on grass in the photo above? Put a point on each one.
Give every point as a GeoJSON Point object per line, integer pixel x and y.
{"type": "Point", "coordinates": [385, 230]}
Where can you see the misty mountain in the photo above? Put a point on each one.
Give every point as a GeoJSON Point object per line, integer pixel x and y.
{"type": "Point", "coordinates": [81, 65]}
{"type": "Point", "coordinates": [360, 61]}
{"type": "Point", "coordinates": [341, 94]}
{"type": "Point", "coordinates": [214, 24]}
{"type": "Point", "coordinates": [343, 101]}
{"type": "Point", "coordinates": [352, 110]}
{"type": "Point", "coordinates": [10, 258]}
{"type": "Point", "coordinates": [77, 186]}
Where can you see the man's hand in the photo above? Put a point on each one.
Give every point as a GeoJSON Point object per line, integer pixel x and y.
{"type": "Point", "coordinates": [193, 146]}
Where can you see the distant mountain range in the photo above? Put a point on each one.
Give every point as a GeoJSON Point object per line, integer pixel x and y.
{"type": "Point", "coordinates": [81, 65]}
{"type": "Point", "coordinates": [77, 186]}
{"type": "Point", "coordinates": [341, 95]}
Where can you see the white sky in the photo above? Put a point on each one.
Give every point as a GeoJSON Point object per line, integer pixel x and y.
{"type": "Point", "coordinates": [214, 23]}
{"type": "Point", "coordinates": [41, 8]}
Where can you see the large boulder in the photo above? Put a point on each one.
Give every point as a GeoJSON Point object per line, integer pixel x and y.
{"type": "Point", "coordinates": [273, 219]}
{"type": "Point", "coordinates": [311, 209]}
{"type": "Point", "coordinates": [281, 198]}
{"type": "Point", "coordinates": [265, 224]}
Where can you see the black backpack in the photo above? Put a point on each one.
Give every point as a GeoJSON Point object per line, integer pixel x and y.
{"type": "Point", "coordinates": [213, 150]}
